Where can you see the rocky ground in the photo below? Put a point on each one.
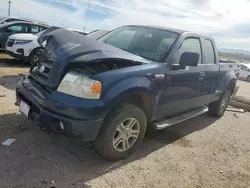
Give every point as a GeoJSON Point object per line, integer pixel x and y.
{"type": "Point", "coordinates": [202, 152]}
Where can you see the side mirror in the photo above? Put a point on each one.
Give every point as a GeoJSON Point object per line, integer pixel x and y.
{"type": "Point", "coordinates": [189, 59]}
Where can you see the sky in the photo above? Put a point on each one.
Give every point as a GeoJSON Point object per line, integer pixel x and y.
{"type": "Point", "coordinates": [228, 21]}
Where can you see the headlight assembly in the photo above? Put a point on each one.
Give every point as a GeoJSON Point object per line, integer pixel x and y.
{"type": "Point", "coordinates": [78, 85]}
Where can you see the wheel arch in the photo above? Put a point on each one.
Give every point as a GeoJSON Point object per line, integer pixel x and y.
{"type": "Point", "coordinates": [228, 81]}
{"type": "Point", "coordinates": [248, 78]}
{"type": "Point", "coordinates": [231, 85]}
{"type": "Point", "coordinates": [141, 100]}
{"type": "Point", "coordinates": [34, 50]}
{"type": "Point", "coordinates": [137, 90]}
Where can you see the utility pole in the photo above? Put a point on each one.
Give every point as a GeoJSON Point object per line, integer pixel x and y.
{"type": "Point", "coordinates": [9, 1]}
{"type": "Point", "coordinates": [86, 18]}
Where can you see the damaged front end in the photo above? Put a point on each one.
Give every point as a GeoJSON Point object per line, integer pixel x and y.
{"type": "Point", "coordinates": [70, 87]}
{"type": "Point", "coordinates": [66, 51]}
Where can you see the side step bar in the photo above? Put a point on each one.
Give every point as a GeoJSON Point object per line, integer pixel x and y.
{"type": "Point", "coordinates": [182, 117]}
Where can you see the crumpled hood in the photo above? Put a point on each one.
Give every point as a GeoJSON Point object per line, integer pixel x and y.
{"type": "Point", "coordinates": [63, 44]}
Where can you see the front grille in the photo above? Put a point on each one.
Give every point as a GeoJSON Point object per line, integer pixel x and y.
{"type": "Point", "coordinates": [35, 82]}
{"type": "Point", "coordinates": [10, 42]}
{"type": "Point", "coordinates": [48, 69]}
{"type": "Point", "coordinates": [45, 71]}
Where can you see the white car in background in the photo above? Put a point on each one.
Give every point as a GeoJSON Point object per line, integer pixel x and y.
{"type": "Point", "coordinates": [245, 71]}
{"type": "Point", "coordinates": [26, 48]}
{"type": "Point", "coordinates": [9, 19]}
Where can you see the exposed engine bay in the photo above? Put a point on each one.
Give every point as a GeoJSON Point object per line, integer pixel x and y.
{"type": "Point", "coordinates": [102, 66]}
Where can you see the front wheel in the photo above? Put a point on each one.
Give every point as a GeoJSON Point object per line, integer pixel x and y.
{"type": "Point", "coordinates": [219, 107]}
{"type": "Point", "coordinates": [122, 132]}
{"type": "Point", "coordinates": [35, 55]}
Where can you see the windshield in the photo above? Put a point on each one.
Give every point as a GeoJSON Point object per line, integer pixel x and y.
{"type": "Point", "coordinates": [150, 43]}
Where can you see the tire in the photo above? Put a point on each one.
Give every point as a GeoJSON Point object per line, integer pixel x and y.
{"type": "Point", "coordinates": [34, 56]}
{"type": "Point", "coordinates": [248, 78]}
{"type": "Point", "coordinates": [219, 107]}
{"type": "Point", "coordinates": [122, 114]}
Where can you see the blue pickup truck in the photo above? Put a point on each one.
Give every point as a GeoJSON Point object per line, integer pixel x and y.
{"type": "Point", "coordinates": [111, 90]}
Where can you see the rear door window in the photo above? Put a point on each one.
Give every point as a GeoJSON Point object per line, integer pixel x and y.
{"type": "Point", "coordinates": [210, 55]}
{"type": "Point", "coordinates": [34, 29]}
{"type": "Point", "coordinates": [41, 29]}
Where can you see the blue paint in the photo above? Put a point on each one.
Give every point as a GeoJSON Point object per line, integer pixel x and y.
{"type": "Point", "coordinates": [181, 89]}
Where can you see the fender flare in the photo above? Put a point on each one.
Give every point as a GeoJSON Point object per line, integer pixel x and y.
{"type": "Point", "coordinates": [132, 86]}
{"type": "Point", "coordinates": [228, 81]}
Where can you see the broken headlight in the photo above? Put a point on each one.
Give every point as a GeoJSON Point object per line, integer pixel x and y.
{"type": "Point", "coordinates": [78, 85]}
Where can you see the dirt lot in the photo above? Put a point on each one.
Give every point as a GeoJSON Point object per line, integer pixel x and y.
{"type": "Point", "coordinates": [202, 152]}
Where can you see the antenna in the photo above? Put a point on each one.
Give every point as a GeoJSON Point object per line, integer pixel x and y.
{"type": "Point", "coordinates": [9, 2]}
{"type": "Point", "coordinates": [86, 19]}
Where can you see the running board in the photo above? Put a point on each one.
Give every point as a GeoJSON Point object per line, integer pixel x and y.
{"type": "Point", "coordinates": [182, 117]}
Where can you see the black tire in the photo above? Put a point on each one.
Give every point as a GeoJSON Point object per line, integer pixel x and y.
{"type": "Point", "coordinates": [104, 141]}
{"type": "Point", "coordinates": [219, 107]}
{"type": "Point", "coordinates": [248, 78]}
{"type": "Point", "coordinates": [34, 56]}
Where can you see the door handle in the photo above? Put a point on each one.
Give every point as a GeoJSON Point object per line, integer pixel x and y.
{"type": "Point", "coordinates": [202, 74]}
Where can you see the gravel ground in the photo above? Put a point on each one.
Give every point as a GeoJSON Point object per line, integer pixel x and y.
{"type": "Point", "coordinates": [202, 152]}
{"type": "Point", "coordinates": [244, 89]}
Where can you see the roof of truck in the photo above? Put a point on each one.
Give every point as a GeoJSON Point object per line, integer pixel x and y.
{"type": "Point", "coordinates": [167, 28]}
{"type": "Point", "coordinates": [180, 31]}
{"type": "Point", "coordinates": [160, 27]}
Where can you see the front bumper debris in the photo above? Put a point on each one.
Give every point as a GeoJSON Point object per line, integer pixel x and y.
{"type": "Point", "coordinates": [84, 128]}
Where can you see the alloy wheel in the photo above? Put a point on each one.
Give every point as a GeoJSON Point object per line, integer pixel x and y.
{"type": "Point", "coordinates": [224, 103]}
{"type": "Point", "coordinates": [126, 134]}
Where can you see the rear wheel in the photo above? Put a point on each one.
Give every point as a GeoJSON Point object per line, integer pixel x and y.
{"type": "Point", "coordinates": [219, 107]}
{"type": "Point", "coordinates": [122, 132]}
{"type": "Point", "coordinates": [248, 78]}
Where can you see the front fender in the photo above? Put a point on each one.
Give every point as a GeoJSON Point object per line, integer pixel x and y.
{"type": "Point", "coordinates": [133, 85]}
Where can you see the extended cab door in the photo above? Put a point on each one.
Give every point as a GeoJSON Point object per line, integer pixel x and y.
{"type": "Point", "coordinates": [182, 87]}
{"type": "Point", "coordinates": [212, 72]}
